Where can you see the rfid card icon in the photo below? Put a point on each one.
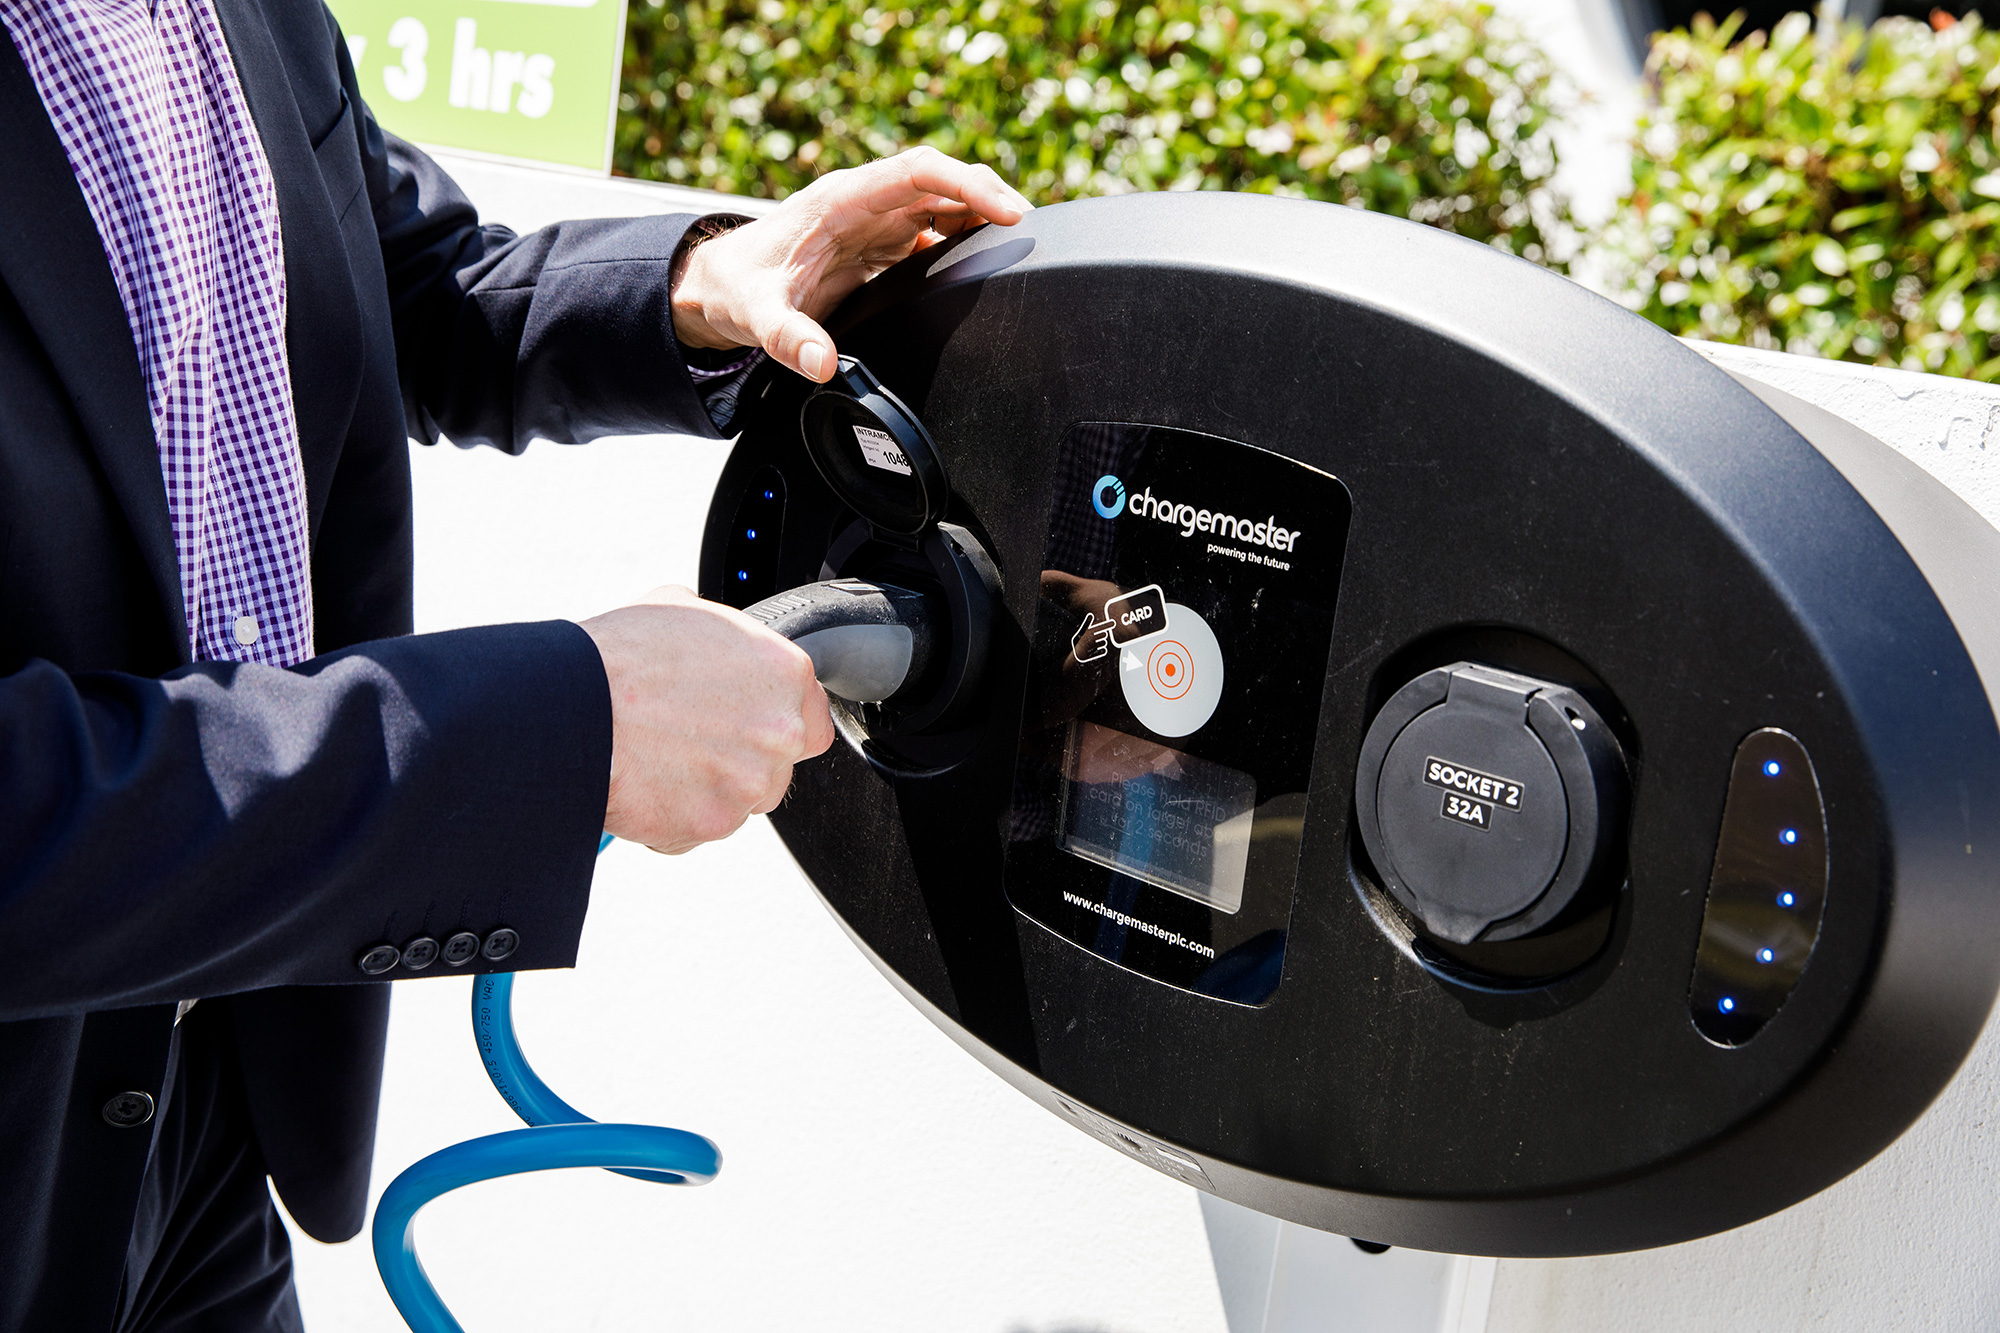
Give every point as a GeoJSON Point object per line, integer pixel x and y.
{"type": "Point", "coordinates": [1108, 496]}
{"type": "Point", "coordinates": [1129, 617]}
{"type": "Point", "coordinates": [1139, 614]}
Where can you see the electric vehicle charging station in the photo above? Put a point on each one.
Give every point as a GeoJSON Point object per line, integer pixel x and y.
{"type": "Point", "coordinates": [1553, 813]}
{"type": "Point", "coordinates": [1497, 683]}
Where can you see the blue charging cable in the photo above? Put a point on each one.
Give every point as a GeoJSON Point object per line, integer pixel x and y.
{"type": "Point", "coordinates": [558, 1136]}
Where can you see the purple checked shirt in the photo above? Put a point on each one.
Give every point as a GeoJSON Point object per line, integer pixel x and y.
{"type": "Point", "coordinates": [145, 99]}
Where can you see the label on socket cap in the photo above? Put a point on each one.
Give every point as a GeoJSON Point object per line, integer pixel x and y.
{"type": "Point", "coordinates": [879, 449]}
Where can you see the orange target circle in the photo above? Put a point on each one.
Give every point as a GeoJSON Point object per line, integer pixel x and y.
{"type": "Point", "coordinates": [1169, 669]}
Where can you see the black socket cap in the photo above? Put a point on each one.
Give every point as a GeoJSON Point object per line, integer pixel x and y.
{"type": "Point", "coordinates": [874, 453]}
{"type": "Point", "coordinates": [1488, 800]}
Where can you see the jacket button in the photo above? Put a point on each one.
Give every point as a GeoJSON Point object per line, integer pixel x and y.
{"type": "Point", "coordinates": [128, 1110]}
{"type": "Point", "coordinates": [500, 943]}
{"type": "Point", "coordinates": [461, 948]}
{"type": "Point", "coordinates": [420, 953]}
{"type": "Point", "coordinates": [378, 959]}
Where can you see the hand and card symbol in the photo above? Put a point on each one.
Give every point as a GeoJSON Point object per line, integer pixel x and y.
{"type": "Point", "coordinates": [1127, 618]}
{"type": "Point", "coordinates": [1092, 639]}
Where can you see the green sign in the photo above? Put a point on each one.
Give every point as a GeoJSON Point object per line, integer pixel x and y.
{"type": "Point", "coordinates": [534, 79]}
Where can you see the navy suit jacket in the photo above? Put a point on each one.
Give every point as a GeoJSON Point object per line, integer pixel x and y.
{"type": "Point", "coordinates": [174, 830]}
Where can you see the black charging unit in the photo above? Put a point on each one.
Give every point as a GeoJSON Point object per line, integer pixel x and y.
{"type": "Point", "coordinates": [1415, 750]}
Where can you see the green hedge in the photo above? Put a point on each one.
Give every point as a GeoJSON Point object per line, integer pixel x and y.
{"type": "Point", "coordinates": [1832, 193]}
{"type": "Point", "coordinates": [1430, 109]}
{"type": "Point", "coordinates": [1837, 197]}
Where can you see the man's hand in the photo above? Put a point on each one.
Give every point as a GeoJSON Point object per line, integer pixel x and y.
{"type": "Point", "coordinates": [709, 711]}
{"type": "Point", "coordinates": [768, 283]}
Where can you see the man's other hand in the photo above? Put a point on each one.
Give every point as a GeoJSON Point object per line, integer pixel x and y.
{"type": "Point", "coordinates": [709, 711]}
{"type": "Point", "coordinates": [768, 283]}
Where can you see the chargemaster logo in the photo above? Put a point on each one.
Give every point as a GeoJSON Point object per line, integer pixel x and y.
{"type": "Point", "coordinates": [1109, 499]}
{"type": "Point", "coordinates": [1266, 532]}
{"type": "Point", "coordinates": [1108, 496]}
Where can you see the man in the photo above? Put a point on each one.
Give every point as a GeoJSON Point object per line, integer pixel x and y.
{"type": "Point", "coordinates": [228, 774]}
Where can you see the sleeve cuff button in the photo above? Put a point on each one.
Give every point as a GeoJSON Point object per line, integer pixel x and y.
{"type": "Point", "coordinates": [379, 959]}
{"type": "Point", "coordinates": [501, 943]}
{"type": "Point", "coordinates": [461, 949]}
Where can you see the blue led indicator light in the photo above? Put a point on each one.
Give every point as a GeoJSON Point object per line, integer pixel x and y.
{"type": "Point", "coordinates": [1772, 768]}
{"type": "Point", "coordinates": [1726, 1005]}
{"type": "Point", "coordinates": [751, 533]}
{"type": "Point", "coordinates": [742, 576]}
{"type": "Point", "coordinates": [1787, 898]}
{"type": "Point", "coordinates": [1765, 955]}
{"type": "Point", "coordinates": [770, 495]}
{"type": "Point", "coordinates": [1789, 836]}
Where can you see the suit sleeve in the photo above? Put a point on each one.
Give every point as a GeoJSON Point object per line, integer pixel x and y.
{"type": "Point", "coordinates": [230, 827]}
{"type": "Point", "coordinates": [564, 334]}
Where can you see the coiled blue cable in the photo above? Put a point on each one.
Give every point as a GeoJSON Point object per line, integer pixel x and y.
{"type": "Point", "coordinates": [558, 1136]}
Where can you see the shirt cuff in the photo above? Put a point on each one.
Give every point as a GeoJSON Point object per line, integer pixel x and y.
{"type": "Point", "coordinates": [721, 387]}
{"type": "Point", "coordinates": [719, 374]}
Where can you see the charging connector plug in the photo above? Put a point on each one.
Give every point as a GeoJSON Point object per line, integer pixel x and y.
{"type": "Point", "coordinates": [869, 642]}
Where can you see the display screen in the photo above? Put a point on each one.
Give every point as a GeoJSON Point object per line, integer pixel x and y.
{"type": "Point", "coordinates": [1158, 814]}
{"type": "Point", "coordinates": [1179, 655]}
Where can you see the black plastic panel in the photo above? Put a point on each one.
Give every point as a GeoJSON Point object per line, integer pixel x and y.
{"type": "Point", "coordinates": [1187, 593]}
{"type": "Point", "coordinates": [750, 556]}
{"type": "Point", "coordinates": [1767, 892]}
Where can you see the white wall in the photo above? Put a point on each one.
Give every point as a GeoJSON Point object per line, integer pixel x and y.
{"type": "Point", "coordinates": [1948, 427]}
